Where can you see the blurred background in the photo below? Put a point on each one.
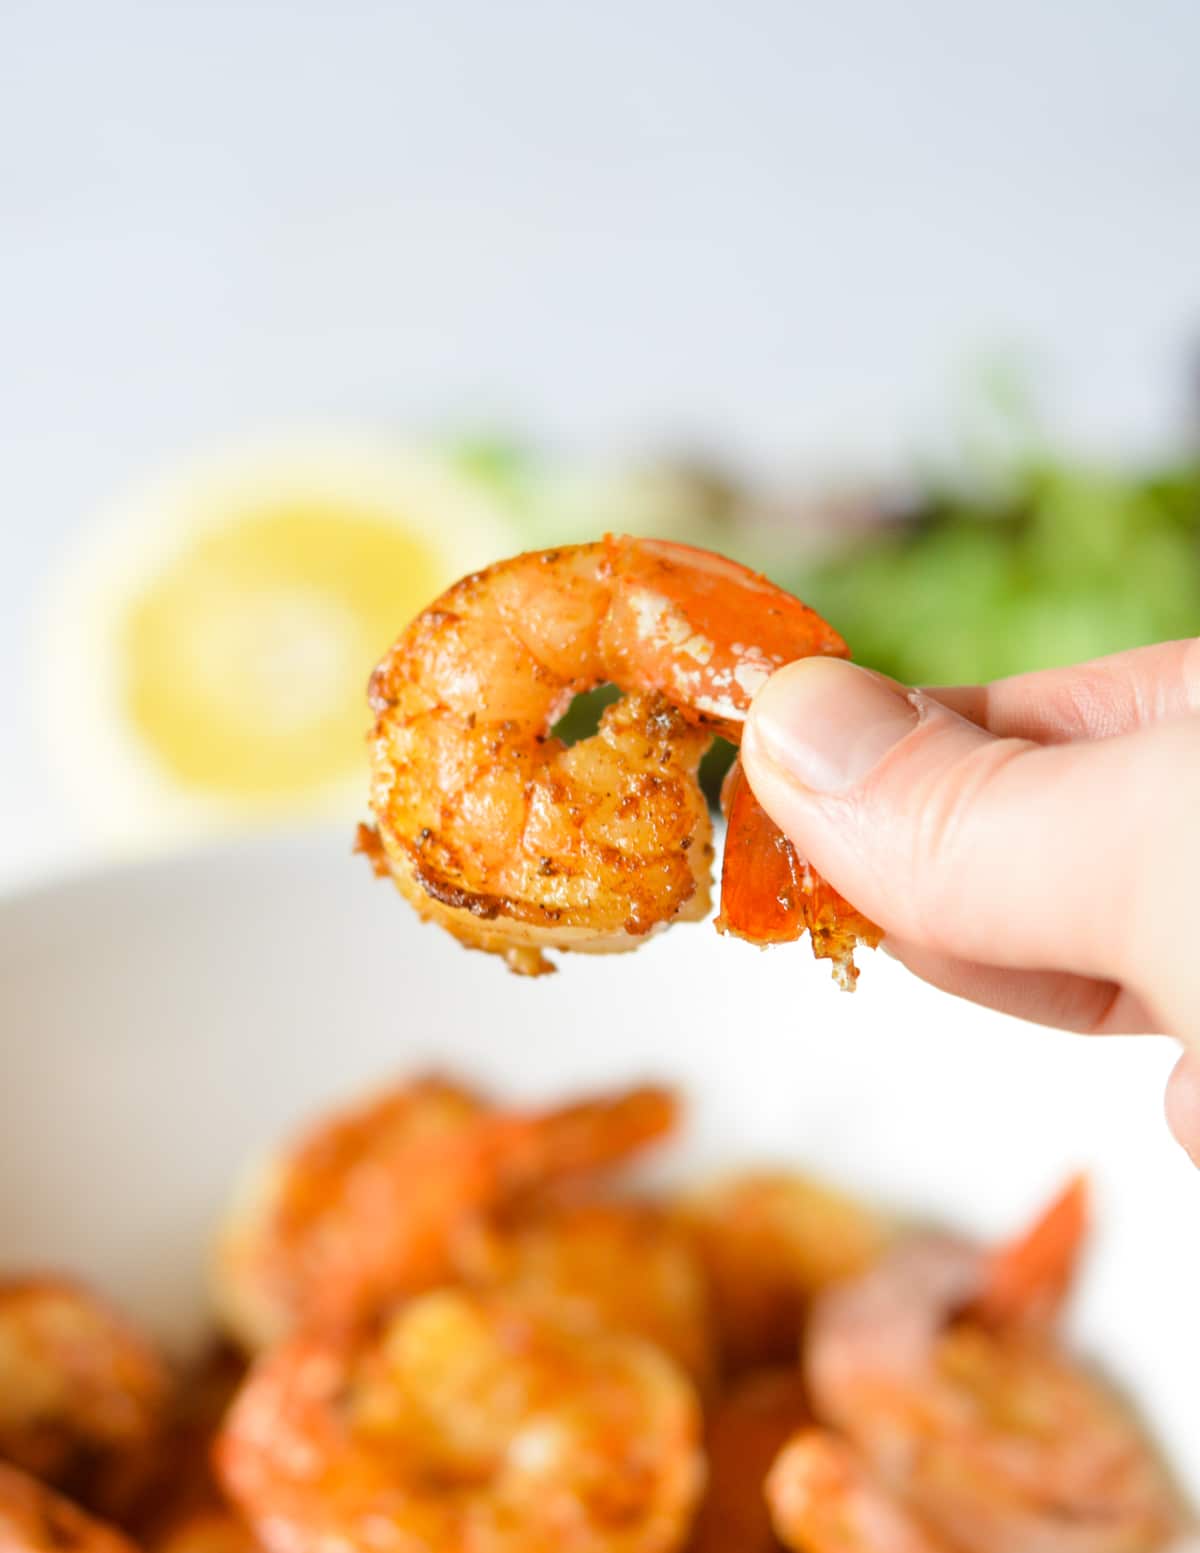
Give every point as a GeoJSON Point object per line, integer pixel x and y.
{"type": "Point", "coordinates": [308, 308]}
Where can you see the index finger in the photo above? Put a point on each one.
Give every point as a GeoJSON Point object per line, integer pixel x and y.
{"type": "Point", "coordinates": [1095, 700]}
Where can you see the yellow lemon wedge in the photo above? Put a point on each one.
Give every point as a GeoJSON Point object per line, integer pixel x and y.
{"type": "Point", "coordinates": [207, 649]}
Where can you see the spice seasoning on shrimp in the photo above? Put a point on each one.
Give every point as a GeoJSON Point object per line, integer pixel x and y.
{"type": "Point", "coordinates": [83, 1395]}
{"type": "Point", "coordinates": [466, 1422]}
{"type": "Point", "coordinates": [467, 1339]}
{"type": "Point", "coordinates": [517, 843]}
{"type": "Point", "coordinates": [823, 1500]}
{"type": "Point", "coordinates": [365, 1207]}
{"type": "Point", "coordinates": [966, 1406]}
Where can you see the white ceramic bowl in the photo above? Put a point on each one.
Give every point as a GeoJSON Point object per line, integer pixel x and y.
{"type": "Point", "coordinates": [164, 1021]}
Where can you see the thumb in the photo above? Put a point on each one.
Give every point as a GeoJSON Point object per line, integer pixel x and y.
{"type": "Point", "coordinates": [996, 850]}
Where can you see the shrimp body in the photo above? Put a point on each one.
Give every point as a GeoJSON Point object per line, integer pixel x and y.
{"type": "Point", "coordinates": [824, 1501]}
{"type": "Point", "coordinates": [366, 1207]}
{"type": "Point", "coordinates": [770, 1241]}
{"type": "Point", "coordinates": [621, 1266]}
{"type": "Point", "coordinates": [82, 1394]}
{"type": "Point", "coordinates": [470, 1425]}
{"type": "Point", "coordinates": [990, 1433]}
{"type": "Point", "coordinates": [516, 843]}
{"type": "Point", "coordinates": [292, 1216]}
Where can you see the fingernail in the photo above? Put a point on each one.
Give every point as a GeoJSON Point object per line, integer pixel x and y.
{"type": "Point", "coordinates": [828, 723]}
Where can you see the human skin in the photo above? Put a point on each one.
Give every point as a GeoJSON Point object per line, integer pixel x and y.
{"type": "Point", "coordinates": [1032, 844]}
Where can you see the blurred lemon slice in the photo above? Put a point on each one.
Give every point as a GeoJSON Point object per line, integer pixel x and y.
{"type": "Point", "coordinates": [207, 650]}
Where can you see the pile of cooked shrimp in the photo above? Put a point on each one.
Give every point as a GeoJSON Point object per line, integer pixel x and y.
{"type": "Point", "coordinates": [450, 1327]}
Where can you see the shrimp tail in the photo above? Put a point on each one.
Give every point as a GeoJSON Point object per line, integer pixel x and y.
{"type": "Point", "coordinates": [1028, 1279]}
{"type": "Point", "coordinates": [769, 894]}
{"type": "Point", "coordinates": [576, 1139]}
{"type": "Point", "coordinates": [762, 878]}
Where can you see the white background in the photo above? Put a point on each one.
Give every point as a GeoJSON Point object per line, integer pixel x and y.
{"type": "Point", "coordinates": [777, 227]}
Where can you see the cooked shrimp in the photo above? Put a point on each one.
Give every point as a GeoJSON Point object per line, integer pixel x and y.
{"type": "Point", "coordinates": [34, 1519]}
{"type": "Point", "coordinates": [770, 895]}
{"type": "Point", "coordinates": [1026, 1281]}
{"type": "Point", "coordinates": [994, 1436]}
{"type": "Point", "coordinates": [471, 1425]}
{"type": "Point", "coordinates": [621, 1265]}
{"type": "Point", "coordinates": [517, 844]}
{"type": "Point", "coordinates": [824, 1501]}
{"type": "Point", "coordinates": [770, 1241]}
{"type": "Point", "coordinates": [744, 1432]}
{"type": "Point", "coordinates": [82, 1394]}
{"type": "Point", "coordinates": [289, 1216]}
{"type": "Point", "coordinates": [364, 1208]}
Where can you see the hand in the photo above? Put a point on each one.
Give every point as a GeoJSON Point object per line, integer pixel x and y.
{"type": "Point", "coordinates": [1033, 844]}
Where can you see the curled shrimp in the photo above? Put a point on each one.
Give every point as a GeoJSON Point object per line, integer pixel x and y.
{"type": "Point", "coordinates": [516, 843]}
{"type": "Point", "coordinates": [290, 1216]}
{"type": "Point", "coordinates": [823, 1500]}
{"type": "Point", "coordinates": [769, 1241]}
{"type": "Point", "coordinates": [744, 1432]}
{"type": "Point", "coordinates": [36, 1519]}
{"type": "Point", "coordinates": [471, 1425]}
{"type": "Point", "coordinates": [963, 1404]}
{"type": "Point", "coordinates": [82, 1394]}
{"type": "Point", "coordinates": [623, 1266]}
{"type": "Point", "coordinates": [365, 1208]}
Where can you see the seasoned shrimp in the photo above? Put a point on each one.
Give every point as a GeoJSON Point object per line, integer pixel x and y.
{"type": "Point", "coordinates": [82, 1394]}
{"type": "Point", "coordinates": [824, 1501]}
{"type": "Point", "coordinates": [366, 1206]}
{"type": "Point", "coordinates": [770, 895]}
{"type": "Point", "coordinates": [34, 1519]}
{"type": "Point", "coordinates": [622, 1265]}
{"type": "Point", "coordinates": [993, 1436]}
{"type": "Point", "coordinates": [516, 843]}
{"type": "Point", "coordinates": [769, 1242]}
{"type": "Point", "coordinates": [289, 1216]}
{"type": "Point", "coordinates": [471, 1425]}
{"type": "Point", "coordinates": [744, 1432]}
